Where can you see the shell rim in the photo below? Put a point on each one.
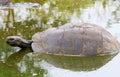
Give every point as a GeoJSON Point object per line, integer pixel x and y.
{"type": "Point", "coordinates": [115, 52]}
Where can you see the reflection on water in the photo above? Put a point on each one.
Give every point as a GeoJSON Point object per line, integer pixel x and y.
{"type": "Point", "coordinates": [16, 57]}
{"type": "Point", "coordinates": [73, 63]}
{"type": "Point", "coordinates": [22, 66]}
{"type": "Point", "coordinates": [77, 63]}
{"type": "Point", "coordinates": [25, 19]}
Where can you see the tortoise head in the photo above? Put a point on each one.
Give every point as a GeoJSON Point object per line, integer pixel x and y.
{"type": "Point", "coordinates": [17, 41]}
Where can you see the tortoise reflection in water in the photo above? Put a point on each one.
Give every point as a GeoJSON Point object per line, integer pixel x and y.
{"type": "Point", "coordinates": [72, 39]}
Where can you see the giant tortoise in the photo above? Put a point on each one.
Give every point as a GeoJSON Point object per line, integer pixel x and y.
{"type": "Point", "coordinates": [74, 46]}
{"type": "Point", "coordinates": [83, 39]}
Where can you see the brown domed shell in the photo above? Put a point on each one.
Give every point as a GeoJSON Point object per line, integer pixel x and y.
{"type": "Point", "coordinates": [82, 39]}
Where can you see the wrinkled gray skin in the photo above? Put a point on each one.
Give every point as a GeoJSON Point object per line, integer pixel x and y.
{"type": "Point", "coordinates": [82, 39]}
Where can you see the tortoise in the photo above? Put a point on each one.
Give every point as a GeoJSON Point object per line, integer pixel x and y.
{"type": "Point", "coordinates": [82, 39]}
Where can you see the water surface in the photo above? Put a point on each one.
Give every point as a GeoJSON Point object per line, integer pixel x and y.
{"type": "Point", "coordinates": [24, 18]}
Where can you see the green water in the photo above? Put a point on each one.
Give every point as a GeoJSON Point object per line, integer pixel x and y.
{"type": "Point", "coordinates": [25, 20]}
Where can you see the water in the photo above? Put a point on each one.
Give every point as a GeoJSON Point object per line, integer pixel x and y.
{"type": "Point", "coordinates": [25, 19]}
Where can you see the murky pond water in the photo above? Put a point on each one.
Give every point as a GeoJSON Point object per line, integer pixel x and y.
{"type": "Point", "coordinates": [26, 18]}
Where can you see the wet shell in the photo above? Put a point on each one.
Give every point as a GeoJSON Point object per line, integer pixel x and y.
{"type": "Point", "coordinates": [82, 39]}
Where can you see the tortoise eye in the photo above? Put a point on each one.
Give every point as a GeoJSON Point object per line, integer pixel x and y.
{"type": "Point", "coordinates": [11, 39]}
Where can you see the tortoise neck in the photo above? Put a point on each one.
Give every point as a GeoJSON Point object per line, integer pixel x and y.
{"type": "Point", "coordinates": [26, 44]}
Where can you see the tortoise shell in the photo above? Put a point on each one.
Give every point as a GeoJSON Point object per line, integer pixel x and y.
{"type": "Point", "coordinates": [82, 39]}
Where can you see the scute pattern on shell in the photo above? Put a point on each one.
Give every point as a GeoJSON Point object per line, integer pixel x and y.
{"type": "Point", "coordinates": [83, 39]}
